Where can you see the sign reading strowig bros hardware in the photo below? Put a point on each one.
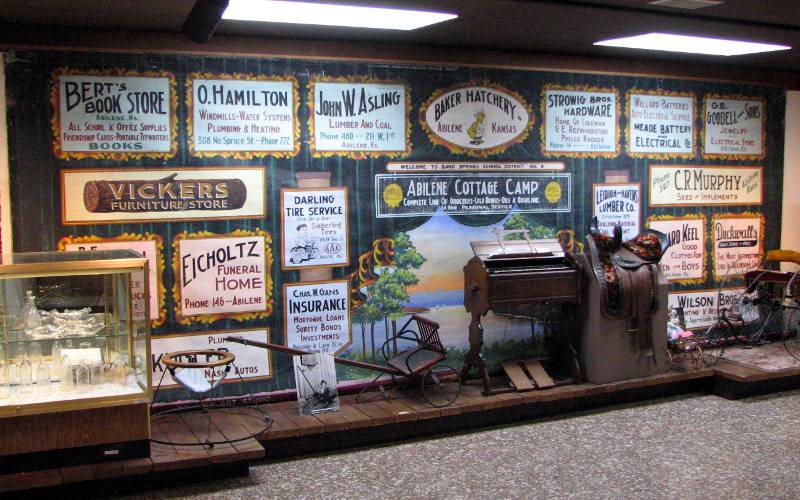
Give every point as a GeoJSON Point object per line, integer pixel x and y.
{"type": "Point", "coordinates": [124, 195]}
{"type": "Point", "coordinates": [477, 118]}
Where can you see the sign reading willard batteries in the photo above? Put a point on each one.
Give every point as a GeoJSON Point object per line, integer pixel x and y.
{"type": "Point", "coordinates": [242, 113]}
{"type": "Point", "coordinates": [317, 316]}
{"type": "Point", "coordinates": [580, 121]}
{"type": "Point", "coordinates": [734, 127]}
{"type": "Point", "coordinates": [478, 118]}
{"type": "Point", "coordinates": [409, 195]}
{"type": "Point", "coordinates": [114, 114]}
{"type": "Point", "coordinates": [359, 118]}
{"type": "Point", "coordinates": [314, 225]}
{"type": "Point", "coordinates": [661, 124]}
{"type": "Point", "coordinates": [618, 204]}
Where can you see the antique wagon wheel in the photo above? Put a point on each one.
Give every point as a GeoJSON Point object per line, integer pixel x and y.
{"type": "Point", "coordinates": [697, 357]}
{"type": "Point", "coordinates": [441, 385]}
{"type": "Point", "coordinates": [717, 338]}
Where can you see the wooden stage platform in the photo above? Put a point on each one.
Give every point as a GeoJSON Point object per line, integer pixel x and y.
{"type": "Point", "coordinates": [406, 415]}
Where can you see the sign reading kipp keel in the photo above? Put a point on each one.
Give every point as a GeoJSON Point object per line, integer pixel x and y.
{"type": "Point", "coordinates": [478, 118]}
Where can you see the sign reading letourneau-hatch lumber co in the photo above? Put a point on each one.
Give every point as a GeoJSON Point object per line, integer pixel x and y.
{"type": "Point", "coordinates": [580, 121]}
{"type": "Point", "coordinates": [661, 124]}
{"type": "Point", "coordinates": [116, 196]}
{"type": "Point", "coordinates": [702, 308]}
{"type": "Point", "coordinates": [733, 127]}
{"type": "Point", "coordinates": [314, 225]}
{"type": "Point", "coordinates": [250, 363]}
{"type": "Point", "coordinates": [114, 114]}
{"type": "Point", "coordinates": [356, 117]}
{"type": "Point", "coordinates": [222, 275]}
{"type": "Point", "coordinates": [618, 204]}
{"type": "Point", "coordinates": [700, 185]}
{"type": "Point", "coordinates": [409, 195]}
{"type": "Point", "coordinates": [476, 118]}
{"type": "Point", "coordinates": [685, 259]}
{"type": "Point", "coordinates": [738, 243]}
{"type": "Point", "coordinates": [243, 116]}
{"type": "Point", "coordinates": [317, 316]}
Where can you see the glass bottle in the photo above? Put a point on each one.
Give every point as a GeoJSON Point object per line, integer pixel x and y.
{"type": "Point", "coordinates": [31, 320]}
{"type": "Point", "coordinates": [119, 370]}
{"type": "Point", "coordinates": [13, 368]}
{"type": "Point", "coordinates": [5, 383]}
{"type": "Point", "coordinates": [56, 351]}
{"type": "Point", "coordinates": [67, 374]}
{"type": "Point", "coordinates": [84, 374]}
{"type": "Point", "coordinates": [43, 377]}
{"type": "Point", "coordinates": [25, 372]}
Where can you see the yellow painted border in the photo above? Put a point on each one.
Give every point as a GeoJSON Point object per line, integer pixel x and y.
{"type": "Point", "coordinates": [349, 312]}
{"type": "Point", "coordinates": [664, 93]}
{"type": "Point", "coordinates": [725, 156]}
{"type": "Point", "coordinates": [690, 281]}
{"type": "Point", "coordinates": [745, 215]}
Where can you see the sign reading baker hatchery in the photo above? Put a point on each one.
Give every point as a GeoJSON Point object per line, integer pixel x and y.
{"type": "Point", "coordinates": [358, 117]}
{"type": "Point", "coordinates": [734, 127]}
{"type": "Point", "coordinates": [685, 260]}
{"type": "Point", "coordinates": [222, 275]}
{"type": "Point", "coordinates": [478, 118]}
{"type": "Point", "coordinates": [701, 185]}
{"type": "Point", "coordinates": [117, 196]}
{"type": "Point", "coordinates": [243, 116]}
{"type": "Point", "coordinates": [661, 124]}
{"type": "Point", "coordinates": [317, 316]}
{"type": "Point", "coordinates": [114, 114]}
{"type": "Point", "coordinates": [580, 121]}
{"type": "Point", "coordinates": [738, 243]}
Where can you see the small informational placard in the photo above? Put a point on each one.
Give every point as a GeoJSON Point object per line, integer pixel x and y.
{"type": "Point", "coordinates": [733, 127]}
{"type": "Point", "coordinates": [701, 308]}
{"type": "Point", "coordinates": [661, 124]}
{"type": "Point", "coordinates": [118, 196]}
{"type": "Point", "coordinates": [618, 204]}
{"type": "Point", "coordinates": [250, 363]}
{"type": "Point", "coordinates": [114, 114]}
{"type": "Point", "coordinates": [317, 316]}
{"type": "Point", "coordinates": [580, 121]}
{"type": "Point", "coordinates": [222, 275]}
{"type": "Point", "coordinates": [151, 247]}
{"type": "Point", "coordinates": [358, 118]}
{"type": "Point", "coordinates": [410, 195]}
{"type": "Point", "coordinates": [474, 166]}
{"type": "Point", "coordinates": [315, 232]}
{"type": "Point", "coordinates": [315, 379]}
{"type": "Point", "coordinates": [232, 114]}
{"type": "Point", "coordinates": [738, 243]}
{"type": "Point", "coordinates": [685, 260]}
{"type": "Point", "coordinates": [701, 185]}
{"type": "Point", "coordinates": [88, 355]}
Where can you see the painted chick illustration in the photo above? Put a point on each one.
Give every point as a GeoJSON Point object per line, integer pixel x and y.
{"type": "Point", "coordinates": [476, 130]}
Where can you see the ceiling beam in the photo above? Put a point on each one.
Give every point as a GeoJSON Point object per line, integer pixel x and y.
{"type": "Point", "coordinates": [203, 19]}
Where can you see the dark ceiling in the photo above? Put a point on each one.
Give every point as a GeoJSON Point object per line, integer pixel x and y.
{"type": "Point", "coordinates": [551, 27]}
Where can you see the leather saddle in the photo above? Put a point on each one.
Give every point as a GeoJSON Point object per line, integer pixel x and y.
{"type": "Point", "coordinates": [627, 272]}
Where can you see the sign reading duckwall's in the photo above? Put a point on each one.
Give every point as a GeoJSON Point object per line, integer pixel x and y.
{"type": "Point", "coordinates": [320, 203]}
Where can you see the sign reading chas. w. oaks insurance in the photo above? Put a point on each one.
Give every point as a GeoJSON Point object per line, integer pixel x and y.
{"type": "Point", "coordinates": [580, 121]}
{"type": "Point", "coordinates": [410, 195]}
{"type": "Point", "coordinates": [702, 308]}
{"type": "Point", "coordinates": [477, 118]}
{"type": "Point", "coordinates": [738, 243]}
{"type": "Point", "coordinates": [250, 363]}
{"type": "Point", "coordinates": [700, 185]}
{"type": "Point", "coordinates": [314, 225]}
{"type": "Point", "coordinates": [357, 118]}
{"type": "Point", "coordinates": [734, 127]}
{"type": "Point", "coordinates": [317, 316]}
{"type": "Point", "coordinates": [116, 196]}
{"type": "Point", "coordinates": [114, 114]}
{"type": "Point", "coordinates": [661, 124]}
{"type": "Point", "coordinates": [685, 259]}
{"type": "Point", "coordinates": [242, 113]}
{"type": "Point", "coordinates": [618, 204]}
{"type": "Point", "coordinates": [222, 275]}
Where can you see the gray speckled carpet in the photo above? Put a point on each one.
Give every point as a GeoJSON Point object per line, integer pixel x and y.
{"type": "Point", "coordinates": [692, 446]}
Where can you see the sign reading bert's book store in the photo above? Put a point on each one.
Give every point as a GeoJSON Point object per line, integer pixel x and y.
{"type": "Point", "coordinates": [225, 275]}
{"type": "Point", "coordinates": [114, 114]}
{"type": "Point", "coordinates": [314, 225]}
{"type": "Point", "coordinates": [317, 316]}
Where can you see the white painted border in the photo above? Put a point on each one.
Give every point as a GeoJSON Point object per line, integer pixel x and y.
{"type": "Point", "coordinates": [790, 231]}
{"type": "Point", "coordinates": [5, 187]}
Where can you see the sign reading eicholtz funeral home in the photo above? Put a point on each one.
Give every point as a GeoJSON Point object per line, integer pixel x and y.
{"type": "Point", "coordinates": [116, 196]}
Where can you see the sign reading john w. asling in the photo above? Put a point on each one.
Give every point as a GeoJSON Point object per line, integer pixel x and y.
{"type": "Point", "coordinates": [409, 195]}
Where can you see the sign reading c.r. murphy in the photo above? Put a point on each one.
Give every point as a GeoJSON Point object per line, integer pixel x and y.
{"type": "Point", "coordinates": [111, 196]}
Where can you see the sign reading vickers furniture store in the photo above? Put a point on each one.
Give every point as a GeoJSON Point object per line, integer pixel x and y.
{"type": "Point", "coordinates": [661, 124]}
{"type": "Point", "coordinates": [685, 259]}
{"type": "Point", "coordinates": [733, 127]}
{"type": "Point", "coordinates": [116, 196]}
{"type": "Point", "coordinates": [358, 118]}
{"type": "Point", "coordinates": [114, 114]}
{"type": "Point", "coordinates": [701, 185]}
{"type": "Point", "coordinates": [242, 113]}
{"type": "Point", "coordinates": [317, 316]}
{"type": "Point", "coordinates": [580, 121]}
{"type": "Point", "coordinates": [478, 118]}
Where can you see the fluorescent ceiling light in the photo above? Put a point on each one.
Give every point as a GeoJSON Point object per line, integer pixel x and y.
{"type": "Point", "coordinates": [331, 14]}
{"type": "Point", "coordinates": [691, 44]}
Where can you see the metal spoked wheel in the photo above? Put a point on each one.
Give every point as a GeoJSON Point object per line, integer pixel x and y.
{"type": "Point", "coordinates": [697, 357]}
{"type": "Point", "coordinates": [441, 385]}
{"type": "Point", "coordinates": [717, 338]}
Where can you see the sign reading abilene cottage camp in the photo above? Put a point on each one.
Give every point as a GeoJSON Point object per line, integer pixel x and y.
{"type": "Point", "coordinates": [701, 185]}
{"type": "Point", "coordinates": [477, 118]}
{"type": "Point", "coordinates": [114, 114]}
{"type": "Point", "coordinates": [733, 127]}
{"type": "Point", "coordinates": [685, 259]}
{"type": "Point", "coordinates": [317, 316]}
{"type": "Point", "coordinates": [236, 113]}
{"type": "Point", "coordinates": [358, 118]}
{"type": "Point", "coordinates": [661, 124]}
{"type": "Point", "coordinates": [580, 121]}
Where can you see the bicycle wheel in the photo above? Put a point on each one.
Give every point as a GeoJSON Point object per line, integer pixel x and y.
{"type": "Point", "coordinates": [717, 337]}
{"type": "Point", "coordinates": [790, 322]}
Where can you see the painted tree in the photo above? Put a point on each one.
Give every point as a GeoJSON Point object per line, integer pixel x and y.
{"type": "Point", "coordinates": [524, 221]}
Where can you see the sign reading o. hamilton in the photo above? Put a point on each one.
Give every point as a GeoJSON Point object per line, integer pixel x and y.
{"type": "Point", "coordinates": [477, 118]}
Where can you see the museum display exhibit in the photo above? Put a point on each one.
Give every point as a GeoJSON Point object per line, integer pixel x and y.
{"type": "Point", "coordinates": [216, 255]}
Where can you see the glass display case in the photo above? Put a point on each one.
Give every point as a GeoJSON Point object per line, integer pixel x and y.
{"type": "Point", "coordinates": [74, 339]}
